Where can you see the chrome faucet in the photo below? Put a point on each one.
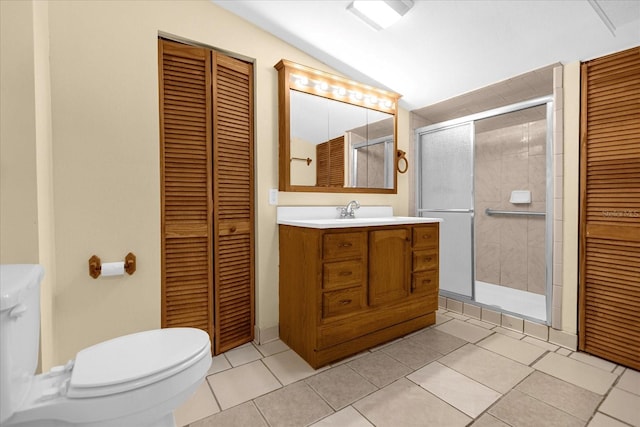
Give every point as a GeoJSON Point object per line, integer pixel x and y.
{"type": "Point", "coordinates": [349, 210]}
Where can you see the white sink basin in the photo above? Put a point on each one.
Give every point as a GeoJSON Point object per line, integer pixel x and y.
{"type": "Point", "coordinates": [357, 222]}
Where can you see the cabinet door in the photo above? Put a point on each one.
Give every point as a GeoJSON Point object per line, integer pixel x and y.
{"type": "Point", "coordinates": [389, 265]}
{"type": "Point", "coordinates": [233, 200]}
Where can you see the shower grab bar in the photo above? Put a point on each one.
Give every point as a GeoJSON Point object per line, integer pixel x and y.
{"type": "Point", "coordinates": [446, 210]}
{"type": "Point", "coordinates": [491, 212]}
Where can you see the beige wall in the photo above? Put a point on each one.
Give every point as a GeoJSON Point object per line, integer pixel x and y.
{"type": "Point", "coordinates": [303, 173]}
{"type": "Point", "coordinates": [18, 182]}
{"type": "Point", "coordinates": [571, 179]}
{"type": "Point", "coordinates": [26, 193]}
{"type": "Point", "coordinates": [104, 172]}
{"type": "Point", "coordinates": [44, 164]}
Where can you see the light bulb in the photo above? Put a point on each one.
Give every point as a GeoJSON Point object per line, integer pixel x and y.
{"type": "Point", "coordinates": [323, 86]}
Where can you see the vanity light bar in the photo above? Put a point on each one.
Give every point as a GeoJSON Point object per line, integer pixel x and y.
{"type": "Point", "coordinates": [356, 95]}
{"type": "Point", "coordinates": [300, 80]}
{"type": "Point", "coordinates": [339, 91]}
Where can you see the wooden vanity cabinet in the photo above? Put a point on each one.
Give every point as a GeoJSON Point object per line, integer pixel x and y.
{"type": "Point", "coordinates": [344, 290]}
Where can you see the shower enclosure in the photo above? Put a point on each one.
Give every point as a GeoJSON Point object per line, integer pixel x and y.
{"type": "Point", "coordinates": [489, 177]}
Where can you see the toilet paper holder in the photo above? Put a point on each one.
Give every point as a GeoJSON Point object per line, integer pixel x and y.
{"type": "Point", "coordinates": [95, 265]}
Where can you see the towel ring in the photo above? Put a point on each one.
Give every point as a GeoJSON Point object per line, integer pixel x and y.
{"type": "Point", "coordinates": [401, 155]}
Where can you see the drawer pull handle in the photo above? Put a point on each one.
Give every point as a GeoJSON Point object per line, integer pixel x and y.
{"type": "Point", "coordinates": [427, 258]}
{"type": "Point", "coordinates": [426, 281]}
{"type": "Point", "coordinates": [345, 302]}
{"type": "Point", "coordinates": [426, 236]}
{"type": "Point", "coordinates": [233, 229]}
{"type": "Point", "coordinates": [345, 273]}
{"type": "Point", "coordinates": [346, 244]}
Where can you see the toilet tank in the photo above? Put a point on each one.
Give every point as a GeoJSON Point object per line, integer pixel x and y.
{"type": "Point", "coordinates": [19, 333]}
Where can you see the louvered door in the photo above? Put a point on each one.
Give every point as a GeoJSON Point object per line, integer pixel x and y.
{"type": "Point", "coordinates": [336, 162]}
{"type": "Point", "coordinates": [206, 147]}
{"type": "Point", "coordinates": [610, 208]}
{"type": "Point", "coordinates": [322, 168]}
{"type": "Point", "coordinates": [185, 135]}
{"type": "Point", "coordinates": [233, 197]}
{"type": "Point", "coordinates": [330, 167]}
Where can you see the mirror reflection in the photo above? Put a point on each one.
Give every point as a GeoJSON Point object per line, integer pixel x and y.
{"type": "Point", "coordinates": [334, 139]}
{"type": "Point", "coordinates": [347, 145]}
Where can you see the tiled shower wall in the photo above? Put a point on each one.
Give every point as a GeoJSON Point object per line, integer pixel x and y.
{"type": "Point", "coordinates": [371, 171]}
{"type": "Point", "coordinates": [510, 250]}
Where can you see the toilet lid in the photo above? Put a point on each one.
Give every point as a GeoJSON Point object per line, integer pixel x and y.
{"type": "Point", "coordinates": [136, 360]}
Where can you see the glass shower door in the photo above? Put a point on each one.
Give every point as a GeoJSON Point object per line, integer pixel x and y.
{"type": "Point", "coordinates": [445, 174]}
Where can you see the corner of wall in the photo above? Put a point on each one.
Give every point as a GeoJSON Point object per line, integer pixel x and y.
{"type": "Point", "coordinates": [44, 178]}
{"type": "Point", "coordinates": [570, 190]}
{"type": "Point", "coordinates": [558, 218]}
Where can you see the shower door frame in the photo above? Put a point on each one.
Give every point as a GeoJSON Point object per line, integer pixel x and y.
{"type": "Point", "coordinates": [464, 211]}
{"type": "Point", "coordinates": [388, 159]}
{"type": "Point", "coordinates": [549, 197]}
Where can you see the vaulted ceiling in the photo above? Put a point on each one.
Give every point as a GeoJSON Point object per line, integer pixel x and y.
{"type": "Point", "coordinates": [441, 49]}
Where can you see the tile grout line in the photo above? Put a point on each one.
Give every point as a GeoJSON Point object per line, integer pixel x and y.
{"type": "Point", "coordinates": [377, 388]}
{"type": "Point", "coordinates": [259, 411]}
{"type": "Point", "coordinates": [215, 398]}
{"type": "Point", "coordinates": [274, 375]}
{"type": "Point", "coordinates": [542, 356]}
{"type": "Point", "coordinates": [486, 411]}
{"type": "Point", "coordinates": [604, 397]}
{"type": "Point", "coordinates": [553, 406]}
{"type": "Point", "coordinates": [363, 415]}
{"type": "Point", "coordinates": [351, 403]}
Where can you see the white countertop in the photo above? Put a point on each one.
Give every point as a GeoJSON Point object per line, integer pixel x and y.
{"type": "Point", "coordinates": [328, 217]}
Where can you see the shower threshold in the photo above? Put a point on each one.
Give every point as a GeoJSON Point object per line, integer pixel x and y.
{"type": "Point", "coordinates": [525, 303]}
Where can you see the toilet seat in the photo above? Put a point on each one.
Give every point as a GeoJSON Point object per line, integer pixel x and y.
{"type": "Point", "coordinates": [131, 381]}
{"type": "Point", "coordinates": [135, 361]}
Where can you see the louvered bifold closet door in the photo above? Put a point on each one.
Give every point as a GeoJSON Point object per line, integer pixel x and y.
{"type": "Point", "coordinates": [610, 208]}
{"type": "Point", "coordinates": [322, 168]}
{"type": "Point", "coordinates": [186, 202]}
{"type": "Point", "coordinates": [336, 162]}
{"type": "Point", "coordinates": [233, 199]}
{"type": "Point", "coordinates": [330, 159]}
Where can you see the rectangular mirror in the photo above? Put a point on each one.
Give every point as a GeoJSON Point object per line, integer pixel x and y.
{"type": "Point", "coordinates": [336, 135]}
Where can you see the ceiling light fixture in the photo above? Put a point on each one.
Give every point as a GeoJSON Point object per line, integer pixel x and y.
{"type": "Point", "coordinates": [380, 14]}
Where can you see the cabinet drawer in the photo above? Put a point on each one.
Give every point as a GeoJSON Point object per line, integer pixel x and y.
{"type": "Point", "coordinates": [425, 259]}
{"type": "Point", "coordinates": [342, 302]}
{"type": "Point", "coordinates": [425, 236]}
{"type": "Point", "coordinates": [342, 274]}
{"type": "Point", "coordinates": [343, 245]}
{"type": "Point", "coordinates": [425, 282]}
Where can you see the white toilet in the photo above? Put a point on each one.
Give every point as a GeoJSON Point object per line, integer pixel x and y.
{"type": "Point", "coordinates": [135, 380]}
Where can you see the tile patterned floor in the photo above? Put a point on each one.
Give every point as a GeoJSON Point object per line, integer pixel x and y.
{"type": "Point", "coordinates": [459, 372]}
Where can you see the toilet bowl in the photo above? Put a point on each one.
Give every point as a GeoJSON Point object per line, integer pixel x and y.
{"type": "Point", "coordinates": [135, 380]}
